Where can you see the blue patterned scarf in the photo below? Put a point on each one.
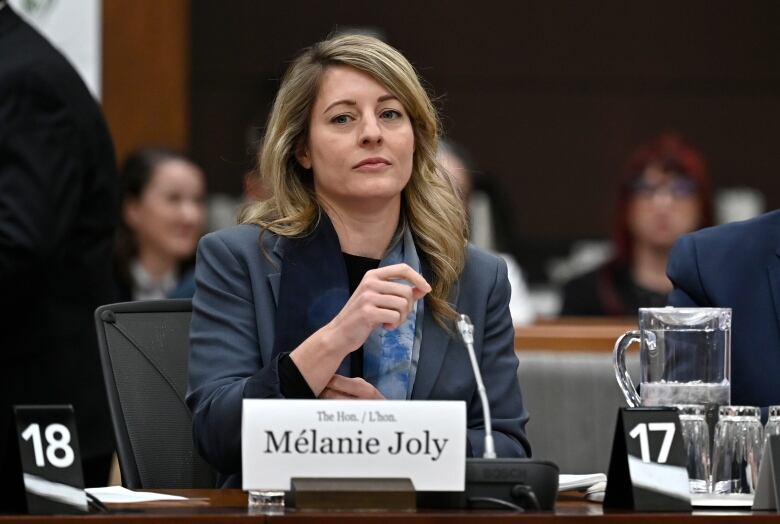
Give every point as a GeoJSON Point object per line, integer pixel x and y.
{"type": "Point", "coordinates": [389, 359]}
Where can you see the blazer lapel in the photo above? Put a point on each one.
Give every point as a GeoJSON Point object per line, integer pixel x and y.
{"type": "Point", "coordinates": [434, 345]}
{"type": "Point", "coordinates": [436, 341]}
{"type": "Point", "coordinates": [312, 287]}
{"type": "Point", "coordinates": [274, 279]}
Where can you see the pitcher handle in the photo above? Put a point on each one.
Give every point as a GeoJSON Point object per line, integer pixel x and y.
{"type": "Point", "coordinates": [621, 373]}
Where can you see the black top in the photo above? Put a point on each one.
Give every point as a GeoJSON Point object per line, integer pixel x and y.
{"type": "Point", "coordinates": [291, 382]}
{"type": "Point", "coordinates": [609, 290]}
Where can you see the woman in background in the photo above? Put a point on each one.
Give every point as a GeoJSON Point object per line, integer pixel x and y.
{"type": "Point", "coordinates": [162, 196]}
{"type": "Point", "coordinates": [344, 283]}
{"type": "Point", "coordinates": [665, 193]}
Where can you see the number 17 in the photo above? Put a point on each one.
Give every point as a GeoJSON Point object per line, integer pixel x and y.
{"type": "Point", "coordinates": [640, 430]}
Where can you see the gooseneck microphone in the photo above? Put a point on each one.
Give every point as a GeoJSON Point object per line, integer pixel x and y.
{"type": "Point", "coordinates": [466, 329]}
{"type": "Point", "coordinates": [509, 483]}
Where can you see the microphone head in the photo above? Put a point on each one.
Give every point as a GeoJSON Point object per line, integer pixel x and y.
{"type": "Point", "coordinates": [466, 329]}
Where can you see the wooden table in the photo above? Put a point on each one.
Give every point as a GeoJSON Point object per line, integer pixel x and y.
{"type": "Point", "coordinates": [573, 334]}
{"type": "Point", "coordinates": [227, 506]}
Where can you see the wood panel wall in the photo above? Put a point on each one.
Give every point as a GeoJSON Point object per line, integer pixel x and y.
{"type": "Point", "coordinates": [551, 97]}
{"type": "Point", "coordinates": [146, 73]}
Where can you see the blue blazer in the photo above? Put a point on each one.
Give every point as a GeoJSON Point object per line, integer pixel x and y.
{"type": "Point", "coordinates": [232, 337]}
{"type": "Point", "coordinates": [737, 265]}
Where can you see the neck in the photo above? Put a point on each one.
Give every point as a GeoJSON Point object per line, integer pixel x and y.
{"type": "Point", "coordinates": [156, 264]}
{"type": "Point", "coordinates": [365, 232]}
{"type": "Point", "coordinates": [649, 268]}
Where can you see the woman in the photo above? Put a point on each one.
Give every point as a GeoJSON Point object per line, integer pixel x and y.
{"type": "Point", "coordinates": [163, 211]}
{"type": "Point", "coordinates": [666, 192]}
{"type": "Point", "coordinates": [357, 262]}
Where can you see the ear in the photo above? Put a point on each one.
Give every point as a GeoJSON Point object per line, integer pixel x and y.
{"type": "Point", "coordinates": [302, 155]}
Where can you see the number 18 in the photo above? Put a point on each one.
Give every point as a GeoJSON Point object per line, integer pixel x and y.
{"type": "Point", "coordinates": [57, 438]}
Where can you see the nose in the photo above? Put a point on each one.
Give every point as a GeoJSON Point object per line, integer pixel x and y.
{"type": "Point", "coordinates": [663, 197]}
{"type": "Point", "coordinates": [370, 132]}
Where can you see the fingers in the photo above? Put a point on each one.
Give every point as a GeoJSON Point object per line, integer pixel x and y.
{"type": "Point", "coordinates": [381, 293]}
{"type": "Point", "coordinates": [402, 272]}
{"type": "Point", "coordinates": [332, 394]}
{"type": "Point", "coordinates": [341, 387]}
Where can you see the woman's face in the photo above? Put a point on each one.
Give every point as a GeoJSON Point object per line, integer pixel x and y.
{"type": "Point", "coordinates": [663, 207]}
{"type": "Point", "coordinates": [361, 142]}
{"type": "Point", "coordinates": [168, 216]}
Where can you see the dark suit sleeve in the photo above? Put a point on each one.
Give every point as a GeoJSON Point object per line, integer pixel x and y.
{"type": "Point", "coordinates": [499, 372]}
{"type": "Point", "coordinates": [39, 176]}
{"type": "Point", "coordinates": [225, 364]}
{"type": "Point", "coordinates": [683, 270]}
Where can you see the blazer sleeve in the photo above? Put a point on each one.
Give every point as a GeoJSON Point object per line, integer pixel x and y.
{"type": "Point", "coordinates": [225, 364]}
{"type": "Point", "coordinates": [40, 176]}
{"type": "Point", "coordinates": [499, 372]}
{"type": "Point", "coordinates": [683, 270]}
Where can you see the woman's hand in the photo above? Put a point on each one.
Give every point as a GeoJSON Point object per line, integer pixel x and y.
{"type": "Point", "coordinates": [379, 300]}
{"type": "Point", "coordinates": [346, 388]}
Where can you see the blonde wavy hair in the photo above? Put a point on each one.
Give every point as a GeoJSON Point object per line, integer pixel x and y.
{"type": "Point", "coordinates": [430, 204]}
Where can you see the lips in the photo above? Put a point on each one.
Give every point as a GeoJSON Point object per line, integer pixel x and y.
{"type": "Point", "coordinates": [372, 162]}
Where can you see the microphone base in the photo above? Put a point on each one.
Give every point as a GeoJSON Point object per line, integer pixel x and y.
{"type": "Point", "coordinates": [501, 483]}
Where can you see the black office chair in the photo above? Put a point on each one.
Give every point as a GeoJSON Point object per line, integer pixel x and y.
{"type": "Point", "coordinates": [144, 347]}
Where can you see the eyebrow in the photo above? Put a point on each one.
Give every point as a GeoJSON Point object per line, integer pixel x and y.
{"type": "Point", "coordinates": [349, 102]}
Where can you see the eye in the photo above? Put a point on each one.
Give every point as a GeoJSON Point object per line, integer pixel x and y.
{"type": "Point", "coordinates": [390, 114]}
{"type": "Point", "coordinates": [341, 119]}
{"type": "Point", "coordinates": [173, 198]}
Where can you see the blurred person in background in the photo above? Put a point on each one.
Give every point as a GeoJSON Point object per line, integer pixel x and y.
{"type": "Point", "coordinates": [57, 222]}
{"type": "Point", "coordinates": [453, 159]}
{"type": "Point", "coordinates": [665, 193]}
{"type": "Point", "coordinates": [162, 195]}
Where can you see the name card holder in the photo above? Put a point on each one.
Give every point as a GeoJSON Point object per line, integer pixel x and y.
{"type": "Point", "coordinates": [49, 461]}
{"type": "Point", "coordinates": [352, 494]}
{"type": "Point", "coordinates": [768, 488]}
{"type": "Point", "coordinates": [647, 466]}
{"type": "Point", "coordinates": [282, 440]}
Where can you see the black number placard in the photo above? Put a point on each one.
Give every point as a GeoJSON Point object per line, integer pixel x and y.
{"type": "Point", "coordinates": [647, 467]}
{"type": "Point", "coordinates": [50, 459]}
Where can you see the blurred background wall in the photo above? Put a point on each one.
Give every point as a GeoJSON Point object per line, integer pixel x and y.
{"type": "Point", "coordinates": [73, 27]}
{"type": "Point", "coordinates": [549, 96]}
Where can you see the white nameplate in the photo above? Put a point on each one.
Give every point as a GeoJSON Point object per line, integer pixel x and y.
{"type": "Point", "coordinates": [424, 441]}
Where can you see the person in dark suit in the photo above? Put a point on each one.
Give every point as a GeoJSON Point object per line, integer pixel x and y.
{"type": "Point", "coordinates": [737, 265]}
{"type": "Point", "coordinates": [356, 263]}
{"type": "Point", "coordinates": [57, 217]}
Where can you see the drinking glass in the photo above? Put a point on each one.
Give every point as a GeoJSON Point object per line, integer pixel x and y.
{"type": "Point", "coordinates": [772, 424]}
{"type": "Point", "coordinates": [737, 455]}
{"type": "Point", "coordinates": [696, 440]}
{"type": "Point", "coordinates": [267, 502]}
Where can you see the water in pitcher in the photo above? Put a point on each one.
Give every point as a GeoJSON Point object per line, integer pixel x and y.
{"type": "Point", "coordinates": [685, 355]}
{"type": "Point", "coordinates": [672, 393]}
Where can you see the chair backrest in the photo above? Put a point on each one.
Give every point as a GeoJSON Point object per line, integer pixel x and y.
{"type": "Point", "coordinates": [144, 348]}
{"type": "Point", "coordinates": [572, 398]}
